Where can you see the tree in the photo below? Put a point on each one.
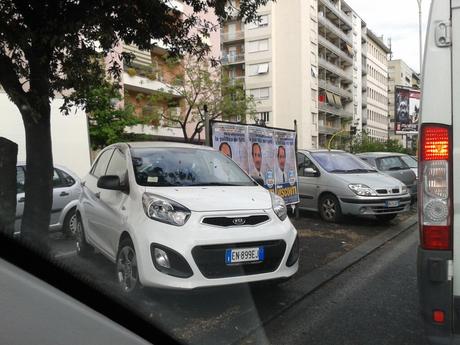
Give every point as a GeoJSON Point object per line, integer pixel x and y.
{"type": "Point", "coordinates": [200, 86]}
{"type": "Point", "coordinates": [108, 119]}
{"type": "Point", "coordinates": [50, 48]}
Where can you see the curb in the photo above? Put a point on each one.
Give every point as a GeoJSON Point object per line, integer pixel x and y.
{"type": "Point", "coordinates": [313, 280]}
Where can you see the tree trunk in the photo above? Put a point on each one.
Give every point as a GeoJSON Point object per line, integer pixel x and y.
{"type": "Point", "coordinates": [8, 160]}
{"type": "Point", "coordinates": [39, 176]}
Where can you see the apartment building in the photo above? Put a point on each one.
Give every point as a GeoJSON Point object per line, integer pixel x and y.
{"type": "Point", "coordinates": [277, 63]}
{"type": "Point", "coordinates": [377, 88]}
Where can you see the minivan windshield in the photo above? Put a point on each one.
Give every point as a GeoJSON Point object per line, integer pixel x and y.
{"type": "Point", "coordinates": [341, 163]}
{"type": "Point", "coordinates": [163, 167]}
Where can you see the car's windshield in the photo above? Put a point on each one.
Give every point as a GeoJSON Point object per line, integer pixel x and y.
{"type": "Point", "coordinates": [341, 163]}
{"type": "Point", "coordinates": [410, 161]}
{"type": "Point", "coordinates": [162, 167]}
{"type": "Point", "coordinates": [391, 163]}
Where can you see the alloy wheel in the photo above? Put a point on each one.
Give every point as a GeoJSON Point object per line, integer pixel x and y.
{"type": "Point", "coordinates": [127, 269]}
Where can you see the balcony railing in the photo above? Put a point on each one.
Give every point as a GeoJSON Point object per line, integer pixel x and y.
{"type": "Point", "coordinates": [141, 57]}
{"type": "Point", "coordinates": [232, 36]}
{"type": "Point", "coordinates": [328, 130]}
{"type": "Point", "coordinates": [335, 69]}
{"type": "Point", "coordinates": [334, 110]}
{"type": "Point", "coordinates": [332, 27]}
{"type": "Point", "coordinates": [232, 59]}
{"type": "Point", "coordinates": [339, 13]}
{"type": "Point", "coordinates": [336, 50]}
{"type": "Point", "coordinates": [335, 89]}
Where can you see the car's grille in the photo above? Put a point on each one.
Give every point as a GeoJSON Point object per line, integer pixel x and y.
{"type": "Point", "coordinates": [236, 221]}
{"type": "Point", "coordinates": [211, 259]}
{"type": "Point", "coordinates": [386, 191]}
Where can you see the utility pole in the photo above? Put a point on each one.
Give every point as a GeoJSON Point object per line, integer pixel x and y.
{"type": "Point", "coordinates": [207, 137]}
{"type": "Point", "coordinates": [419, 2]}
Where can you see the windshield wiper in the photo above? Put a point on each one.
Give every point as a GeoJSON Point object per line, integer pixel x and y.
{"type": "Point", "coordinates": [216, 184]}
{"type": "Point", "coordinates": [396, 168]}
{"type": "Point", "coordinates": [340, 171]}
{"type": "Point", "coordinates": [361, 171]}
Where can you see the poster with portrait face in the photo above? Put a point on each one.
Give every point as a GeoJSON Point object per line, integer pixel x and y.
{"type": "Point", "coordinates": [231, 140]}
{"type": "Point", "coordinates": [286, 166]}
{"type": "Point", "coordinates": [261, 155]}
{"type": "Point", "coordinates": [407, 110]}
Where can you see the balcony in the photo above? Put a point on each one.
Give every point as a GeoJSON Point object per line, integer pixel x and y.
{"type": "Point", "coordinates": [334, 29]}
{"type": "Point", "coordinates": [333, 110]}
{"type": "Point", "coordinates": [328, 130]}
{"type": "Point", "coordinates": [232, 36]}
{"type": "Point", "coordinates": [141, 57]}
{"type": "Point", "coordinates": [232, 59]}
{"type": "Point", "coordinates": [364, 103]}
{"type": "Point", "coordinates": [338, 13]}
{"type": "Point", "coordinates": [145, 85]}
{"type": "Point", "coordinates": [335, 89]}
{"type": "Point", "coordinates": [335, 69]}
{"type": "Point", "coordinates": [336, 50]}
{"type": "Point", "coordinates": [238, 80]}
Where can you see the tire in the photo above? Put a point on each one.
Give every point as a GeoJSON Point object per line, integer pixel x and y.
{"type": "Point", "coordinates": [83, 248]}
{"type": "Point", "coordinates": [127, 273]}
{"type": "Point", "coordinates": [386, 217]}
{"type": "Point", "coordinates": [69, 227]}
{"type": "Point", "coordinates": [329, 209]}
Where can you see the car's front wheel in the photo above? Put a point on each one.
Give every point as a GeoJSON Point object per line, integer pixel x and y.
{"type": "Point", "coordinates": [329, 208]}
{"type": "Point", "coordinates": [83, 248]}
{"type": "Point", "coordinates": [127, 273]}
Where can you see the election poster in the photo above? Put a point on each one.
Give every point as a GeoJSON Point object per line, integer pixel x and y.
{"type": "Point", "coordinates": [407, 110]}
{"type": "Point", "coordinates": [266, 154]}
{"type": "Point", "coordinates": [231, 140]}
{"type": "Point", "coordinates": [261, 155]}
{"type": "Point", "coordinates": [286, 166]}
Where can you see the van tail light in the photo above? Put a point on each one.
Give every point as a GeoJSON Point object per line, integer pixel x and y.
{"type": "Point", "coordinates": [435, 189]}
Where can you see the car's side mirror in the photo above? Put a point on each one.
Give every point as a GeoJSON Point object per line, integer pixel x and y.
{"type": "Point", "coordinates": [259, 181]}
{"type": "Point", "coordinates": [310, 172]}
{"type": "Point", "coordinates": [111, 182]}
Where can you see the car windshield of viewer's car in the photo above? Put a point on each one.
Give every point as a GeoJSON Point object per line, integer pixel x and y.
{"type": "Point", "coordinates": [341, 163]}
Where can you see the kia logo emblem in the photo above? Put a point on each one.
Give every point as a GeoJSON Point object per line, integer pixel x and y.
{"type": "Point", "coordinates": [239, 221]}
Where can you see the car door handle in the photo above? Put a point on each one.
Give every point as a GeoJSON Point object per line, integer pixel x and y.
{"type": "Point", "coordinates": [64, 194]}
{"type": "Point", "coordinates": [22, 199]}
{"type": "Point", "coordinates": [97, 195]}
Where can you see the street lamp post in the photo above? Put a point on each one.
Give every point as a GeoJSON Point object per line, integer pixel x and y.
{"type": "Point", "coordinates": [419, 2]}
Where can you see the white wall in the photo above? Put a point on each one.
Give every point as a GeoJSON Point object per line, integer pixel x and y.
{"type": "Point", "coordinates": [69, 134]}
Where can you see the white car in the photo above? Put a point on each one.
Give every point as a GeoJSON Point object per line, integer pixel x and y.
{"type": "Point", "coordinates": [183, 216]}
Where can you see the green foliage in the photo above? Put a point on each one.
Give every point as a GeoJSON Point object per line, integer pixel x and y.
{"type": "Point", "coordinates": [107, 119]}
{"type": "Point", "coordinates": [364, 143]}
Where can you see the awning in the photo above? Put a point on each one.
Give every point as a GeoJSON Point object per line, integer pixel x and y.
{"type": "Point", "coordinates": [338, 101]}
{"type": "Point", "coordinates": [330, 98]}
{"type": "Point", "coordinates": [350, 50]}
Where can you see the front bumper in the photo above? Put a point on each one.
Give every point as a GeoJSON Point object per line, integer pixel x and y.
{"type": "Point", "coordinates": [202, 247]}
{"type": "Point", "coordinates": [375, 205]}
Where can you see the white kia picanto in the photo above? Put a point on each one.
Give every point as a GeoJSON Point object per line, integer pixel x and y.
{"type": "Point", "coordinates": [183, 216]}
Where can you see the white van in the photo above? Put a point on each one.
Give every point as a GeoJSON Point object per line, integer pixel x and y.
{"type": "Point", "coordinates": [439, 168]}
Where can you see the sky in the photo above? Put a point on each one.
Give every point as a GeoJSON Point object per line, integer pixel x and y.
{"type": "Point", "coordinates": [397, 19]}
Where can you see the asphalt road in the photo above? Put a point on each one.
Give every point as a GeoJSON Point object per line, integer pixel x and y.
{"type": "Point", "coordinates": [373, 302]}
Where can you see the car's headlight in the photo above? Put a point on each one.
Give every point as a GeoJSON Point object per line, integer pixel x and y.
{"type": "Point", "coordinates": [164, 210]}
{"type": "Point", "coordinates": [362, 189]}
{"type": "Point", "coordinates": [279, 206]}
{"type": "Point", "coordinates": [404, 189]}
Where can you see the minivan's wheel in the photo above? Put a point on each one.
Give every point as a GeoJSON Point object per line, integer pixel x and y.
{"type": "Point", "coordinates": [386, 217]}
{"type": "Point", "coordinates": [127, 273]}
{"type": "Point", "coordinates": [83, 248]}
{"type": "Point", "coordinates": [69, 227]}
{"type": "Point", "coordinates": [329, 208]}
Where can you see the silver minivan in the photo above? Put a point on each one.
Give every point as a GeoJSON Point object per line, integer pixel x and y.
{"type": "Point", "coordinates": [336, 183]}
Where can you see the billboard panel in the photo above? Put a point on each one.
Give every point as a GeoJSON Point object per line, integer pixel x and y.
{"type": "Point", "coordinates": [231, 140]}
{"type": "Point", "coordinates": [407, 110]}
{"type": "Point", "coordinates": [261, 153]}
{"type": "Point", "coordinates": [286, 166]}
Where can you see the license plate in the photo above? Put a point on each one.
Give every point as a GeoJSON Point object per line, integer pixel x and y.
{"type": "Point", "coordinates": [392, 203]}
{"type": "Point", "coordinates": [239, 255]}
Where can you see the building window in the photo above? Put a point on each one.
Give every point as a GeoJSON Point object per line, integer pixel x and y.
{"type": "Point", "coordinates": [257, 69]}
{"type": "Point", "coordinates": [260, 93]}
{"type": "Point", "coordinates": [259, 24]}
{"type": "Point", "coordinates": [258, 46]}
{"type": "Point", "coordinates": [265, 116]}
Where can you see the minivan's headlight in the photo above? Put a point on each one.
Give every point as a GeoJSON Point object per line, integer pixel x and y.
{"type": "Point", "coordinates": [279, 207]}
{"type": "Point", "coordinates": [164, 210]}
{"type": "Point", "coordinates": [362, 189]}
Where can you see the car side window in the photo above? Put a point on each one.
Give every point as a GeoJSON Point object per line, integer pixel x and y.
{"type": "Point", "coordinates": [304, 162]}
{"type": "Point", "coordinates": [117, 165]}
{"type": "Point", "coordinates": [66, 179]}
{"type": "Point", "coordinates": [57, 181]}
{"type": "Point", "coordinates": [100, 166]}
{"type": "Point", "coordinates": [20, 180]}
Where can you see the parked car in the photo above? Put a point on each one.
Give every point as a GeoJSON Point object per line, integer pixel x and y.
{"type": "Point", "coordinates": [411, 162]}
{"type": "Point", "coordinates": [182, 216]}
{"type": "Point", "coordinates": [393, 164]}
{"type": "Point", "coordinates": [336, 183]}
{"type": "Point", "coordinates": [66, 192]}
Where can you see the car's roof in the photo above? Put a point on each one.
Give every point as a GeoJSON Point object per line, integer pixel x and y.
{"type": "Point", "coordinates": [322, 151]}
{"type": "Point", "coordinates": [163, 144]}
{"type": "Point", "coordinates": [58, 166]}
{"type": "Point", "coordinates": [381, 154]}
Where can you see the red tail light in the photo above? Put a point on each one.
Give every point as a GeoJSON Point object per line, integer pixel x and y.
{"type": "Point", "coordinates": [435, 208]}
